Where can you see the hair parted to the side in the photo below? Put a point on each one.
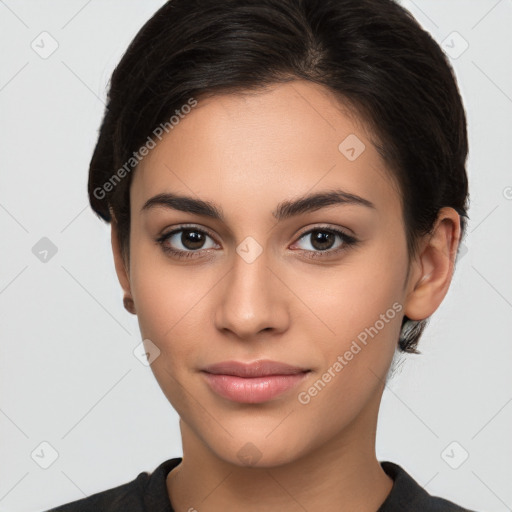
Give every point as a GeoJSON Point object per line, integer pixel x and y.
{"type": "Point", "coordinates": [372, 54]}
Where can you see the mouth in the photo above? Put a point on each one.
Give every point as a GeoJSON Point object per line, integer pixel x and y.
{"type": "Point", "coordinates": [255, 382]}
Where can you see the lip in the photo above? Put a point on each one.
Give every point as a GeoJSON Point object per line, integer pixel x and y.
{"type": "Point", "coordinates": [255, 382]}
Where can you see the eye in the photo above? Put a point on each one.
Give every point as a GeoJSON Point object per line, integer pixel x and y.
{"type": "Point", "coordinates": [190, 242]}
{"type": "Point", "coordinates": [322, 240]}
{"type": "Point", "coordinates": [185, 242]}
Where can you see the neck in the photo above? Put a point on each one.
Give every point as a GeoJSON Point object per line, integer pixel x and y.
{"type": "Point", "coordinates": [341, 474]}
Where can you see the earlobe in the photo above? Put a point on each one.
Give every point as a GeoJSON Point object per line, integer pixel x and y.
{"type": "Point", "coordinates": [121, 269]}
{"type": "Point", "coordinates": [129, 305]}
{"type": "Point", "coordinates": [435, 266]}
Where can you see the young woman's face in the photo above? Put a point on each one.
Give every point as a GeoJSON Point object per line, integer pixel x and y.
{"type": "Point", "coordinates": [253, 286]}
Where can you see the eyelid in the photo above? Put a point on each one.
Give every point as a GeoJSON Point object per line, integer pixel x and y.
{"type": "Point", "coordinates": [327, 227]}
{"type": "Point", "coordinates": [181, 227]}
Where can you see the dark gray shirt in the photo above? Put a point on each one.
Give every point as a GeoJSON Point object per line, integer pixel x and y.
{"type": "Point", "coordinates": [148, 493]}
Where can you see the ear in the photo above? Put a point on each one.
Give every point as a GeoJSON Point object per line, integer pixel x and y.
{"type": "Point", "coordinates": [434, 266]}
{"type": "Point", "coordinates": [121, 268]}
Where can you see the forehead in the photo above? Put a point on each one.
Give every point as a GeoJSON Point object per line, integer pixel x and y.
{"type": "Point", "coordinates": [254, 149]}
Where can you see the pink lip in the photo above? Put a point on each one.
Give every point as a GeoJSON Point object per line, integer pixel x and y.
{"type": "Point", "coordinates": [252, 383]}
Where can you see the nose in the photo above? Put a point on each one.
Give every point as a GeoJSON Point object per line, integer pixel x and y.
{"type": "Point", "coordinates": [253, 299]}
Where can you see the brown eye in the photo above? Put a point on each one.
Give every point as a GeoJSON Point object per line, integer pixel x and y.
{"type": "Point", "coordinates": [186, 242]}
{"type": "Point", "coordinates": [322, 242]}
{"type": "Point", "coordinates": [192, 239]}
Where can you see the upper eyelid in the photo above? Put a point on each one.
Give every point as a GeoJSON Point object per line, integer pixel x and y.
{"type": "Point", "coordinates": [188, 226]}
{"type": "Point", "coordinates": [326, 227]}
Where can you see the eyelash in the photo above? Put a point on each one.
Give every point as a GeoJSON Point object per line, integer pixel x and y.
{"type": "Point", "coordinates": [348, 242]}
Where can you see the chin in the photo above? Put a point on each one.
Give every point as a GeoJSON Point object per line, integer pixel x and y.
{"type": "Point", "coordinates": [257, 452]}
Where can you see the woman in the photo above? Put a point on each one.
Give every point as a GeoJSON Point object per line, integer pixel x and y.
{"type": "Point", "coordinates": [287, 190]}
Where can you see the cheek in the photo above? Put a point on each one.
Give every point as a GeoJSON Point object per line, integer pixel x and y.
{"type": "Point", "coordinates": [166, 300]}
{"type": "Point", "coordinates": [363, 310]}
{"type": "Point", "coordinates": [352, 296]}
{"type": "Point", "coordinates": [170, 302]}
{"type": "Point", "coordinates": [360, 305]}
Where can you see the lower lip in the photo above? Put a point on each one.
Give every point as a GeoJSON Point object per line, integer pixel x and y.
{"type": "Point", "coordinates": [252, 390]}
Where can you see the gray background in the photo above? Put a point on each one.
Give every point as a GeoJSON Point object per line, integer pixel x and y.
{"type": "Point", "coordinates": [68, 375]}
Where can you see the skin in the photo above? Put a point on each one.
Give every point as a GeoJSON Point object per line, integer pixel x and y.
{"type": "Point", "coordinates": [247, 153]}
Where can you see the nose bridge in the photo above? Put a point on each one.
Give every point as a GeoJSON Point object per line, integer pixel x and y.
{"type": "Point", "coordinates": [250, 301]}
{"type": "Point", "coordinates": [249, 281]}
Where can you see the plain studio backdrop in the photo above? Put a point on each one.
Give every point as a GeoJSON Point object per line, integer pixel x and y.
{"type": "Point", "coordinates": [79, 412]}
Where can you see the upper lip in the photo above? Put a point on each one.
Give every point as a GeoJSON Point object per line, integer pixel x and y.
{"type": "Point", "coordinates": [260, 368]}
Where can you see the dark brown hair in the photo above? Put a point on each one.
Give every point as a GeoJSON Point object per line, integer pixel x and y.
{"type": "Point", "coordinates": [371, 53]}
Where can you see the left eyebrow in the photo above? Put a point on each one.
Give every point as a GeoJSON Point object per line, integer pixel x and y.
{"type": "Point", "coordinates": [313, 202]}
{"type": "Point", "coordinates": [284, 210]}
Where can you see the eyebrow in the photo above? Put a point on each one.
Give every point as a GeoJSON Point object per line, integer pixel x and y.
{"type": "Point", "coordinates": [283, 211]}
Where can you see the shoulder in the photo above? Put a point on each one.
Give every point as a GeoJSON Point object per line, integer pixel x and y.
{"type": "Point", "coordinates": [128, 496]}
{"type": "Point", "coordinates": [147, 491]}
{"type": "Point", "coordinates": [407, 494]}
